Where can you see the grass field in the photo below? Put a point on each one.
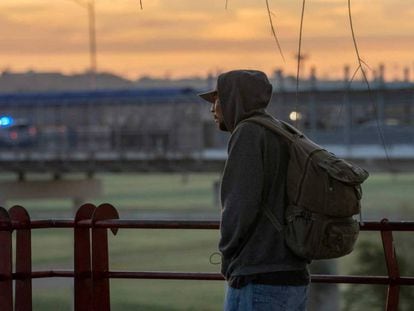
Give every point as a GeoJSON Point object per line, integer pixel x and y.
{"type": "Point", "coordinates": [172, 250]}
{"type": "Point", "coordinates": [142, 193]}
{"type": "Point", "coordinates": [139, 250]}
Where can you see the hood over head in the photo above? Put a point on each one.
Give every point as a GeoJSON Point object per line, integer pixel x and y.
{"type": "Point", "coordinates": [242, 94]}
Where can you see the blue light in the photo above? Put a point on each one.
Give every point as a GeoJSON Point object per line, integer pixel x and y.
{"type": "Point", "coordinates": [6, 121]}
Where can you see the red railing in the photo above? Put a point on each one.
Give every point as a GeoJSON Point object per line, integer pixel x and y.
{"type": "Point", "coordinates": [91, 269]}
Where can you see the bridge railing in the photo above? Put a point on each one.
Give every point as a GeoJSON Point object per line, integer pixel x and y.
{"type": "Point", "coordinates": [91, 272]}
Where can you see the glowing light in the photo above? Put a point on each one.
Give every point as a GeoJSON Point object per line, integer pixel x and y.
{"type": "Point", "coordinates": [6, 121]}
{"type": "Point", "coordinates": [294, 116]}
{"type": "Point", "coordinates": [14, 135]}
{"type": "Point", "coordinates": [32, 131]}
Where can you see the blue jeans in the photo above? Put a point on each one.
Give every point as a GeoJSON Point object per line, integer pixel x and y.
{"type": "Point", "coordinates": [259, 297]}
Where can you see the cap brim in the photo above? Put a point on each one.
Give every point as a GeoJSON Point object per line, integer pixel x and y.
{"type": "Point", "coordinates": [209, 96]}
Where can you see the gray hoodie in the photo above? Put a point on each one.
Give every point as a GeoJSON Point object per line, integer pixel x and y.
{"type": "Point", "coordinates": [254, 175]}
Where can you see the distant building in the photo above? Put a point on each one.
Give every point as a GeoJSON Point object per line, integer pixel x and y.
{"type": "Point", "coordinates": [175, 120]}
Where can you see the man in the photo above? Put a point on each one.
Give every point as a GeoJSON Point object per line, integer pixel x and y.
{"type": "Point", "coordinates": [262, 273]}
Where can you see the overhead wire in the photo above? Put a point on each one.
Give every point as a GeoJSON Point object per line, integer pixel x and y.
{"type": "Point", "coordinates": [272, 28]}
{"type": "Point", "coordinates": [361, 68]}
{"type": "Point", "coordinates": [298, 65]}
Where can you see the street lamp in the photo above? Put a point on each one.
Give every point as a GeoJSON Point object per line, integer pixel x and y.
{"type": "Point", "coordinates": [90, 6]}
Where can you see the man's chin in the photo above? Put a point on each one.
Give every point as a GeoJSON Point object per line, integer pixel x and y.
{"type": "Point", "coordinates": [223, 127]}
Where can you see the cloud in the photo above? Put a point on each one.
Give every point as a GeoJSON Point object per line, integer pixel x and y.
{"type": "Point", "coordinates": [182, 44]}
{"type": "Point", "coordinates": [175, 29]}
{"type": "Point", "coordinates": [204, 6]}
{"type": "Point", "coordinates": [23, 6]}
{"type": "Point", "coordinates": [400, 9]}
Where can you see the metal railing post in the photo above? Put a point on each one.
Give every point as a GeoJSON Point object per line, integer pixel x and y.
{"type": "Point", "coordinates": [23, 283]}
{"type": "Point", "coordinates": [6, 280]}
{"type": "Point", "coordinates": [100, 257]}
{"type": "Point", "coordinates": [392, 268]}
{"type": "Point", "coordinates": [82, 257]}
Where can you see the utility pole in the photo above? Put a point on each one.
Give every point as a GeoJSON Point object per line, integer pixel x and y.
{"type": "Point", "coordinates": [301, 59]}
{"type": "Point", "coordinates": [92, 41]}
{"type": "Point", "coordinates": [89, 5]}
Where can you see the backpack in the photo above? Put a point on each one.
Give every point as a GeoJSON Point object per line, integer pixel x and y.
{"type": "Point", "coordinates": [323, 193]}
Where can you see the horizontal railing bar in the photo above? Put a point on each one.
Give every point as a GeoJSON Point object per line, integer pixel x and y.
{"type": "Point", "coordinates": [359, 279]}
{"type": "Point", "coordinates": [174, 224]}
{"type": "Point", "coordinates": [387, 226]}
{"type": "Point", "coordinates": [44, 274]}
{"type": "Point", "coordinates": [315, 278]}
{"type": "Point", "coordinates": [44, 224]}
{"type": "Point", "coordinates": [165, 275]}
{"type": "Point", "coordinates": [159, 224]}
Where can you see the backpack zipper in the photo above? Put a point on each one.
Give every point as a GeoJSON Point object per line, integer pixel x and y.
{"type": "Point", "coordinates": [304, 174]}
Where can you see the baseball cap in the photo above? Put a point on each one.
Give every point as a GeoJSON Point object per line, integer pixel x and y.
{"type": "Point", "coordinates": [209, 96]}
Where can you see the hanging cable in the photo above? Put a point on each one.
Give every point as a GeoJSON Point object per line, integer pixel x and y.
{"type": "Point", "coordinates": [361, 68]}
{"type": "Point", "coordinates": [269, 13]}
{"type": "Point", "coordinates": [298, 64]}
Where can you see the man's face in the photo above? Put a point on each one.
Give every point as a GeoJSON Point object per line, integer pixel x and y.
{"type": "Point", "coordinates": [218, 113]}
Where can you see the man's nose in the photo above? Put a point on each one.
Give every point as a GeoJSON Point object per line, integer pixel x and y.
{"type": "Point", "coordinates": [212, 108]}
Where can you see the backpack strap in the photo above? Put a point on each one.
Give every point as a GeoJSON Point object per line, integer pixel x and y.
{"type": "Point", "coordinates": [280, 127]}
{"type": "Point", "coordinates": [285, 130]}
{"type": "Point", "coordinates": [276, 223]}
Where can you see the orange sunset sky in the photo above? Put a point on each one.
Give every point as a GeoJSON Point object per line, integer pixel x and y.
{"type": "Point", "coordinates": [180, 38]}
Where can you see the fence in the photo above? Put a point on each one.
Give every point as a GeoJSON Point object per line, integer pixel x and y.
{"type": "Point", "coordinates": [91, 267]}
